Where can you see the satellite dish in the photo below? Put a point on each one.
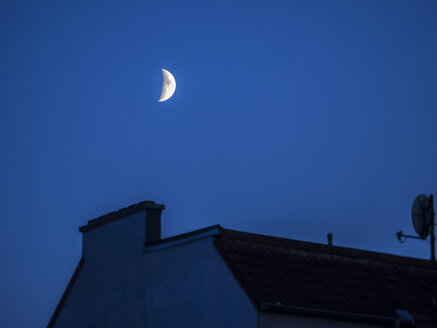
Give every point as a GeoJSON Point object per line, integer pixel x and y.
{"type": "Point", "coordinates": [421, 216]}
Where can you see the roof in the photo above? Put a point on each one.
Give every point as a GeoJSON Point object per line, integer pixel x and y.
{"type": "Point", "coordinates": [300, 277]}
{"type": "Point", "coordinates": [285, 275]}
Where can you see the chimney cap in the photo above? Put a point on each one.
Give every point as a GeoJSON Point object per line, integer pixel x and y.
{"type": "Point", "coordinates": [121, 213]}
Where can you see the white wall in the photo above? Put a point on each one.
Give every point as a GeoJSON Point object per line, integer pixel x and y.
{"type": "Point", "coordinates": [275, 320]}
{"type": "Point", "coordinates": [121, 286]}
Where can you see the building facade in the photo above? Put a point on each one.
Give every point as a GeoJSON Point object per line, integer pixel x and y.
{"type": "Point", "coordinates": [129, 277]}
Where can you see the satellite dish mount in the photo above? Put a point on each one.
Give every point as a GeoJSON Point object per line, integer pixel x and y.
{"type": "Point", "coordinates": [422, 215]}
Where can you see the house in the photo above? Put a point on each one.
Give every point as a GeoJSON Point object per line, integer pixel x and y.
{"type": "Point", "coordinates": [214, 277]}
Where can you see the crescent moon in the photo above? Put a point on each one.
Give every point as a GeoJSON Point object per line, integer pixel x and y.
{"type": "Point", "coordinates": [168, 85]}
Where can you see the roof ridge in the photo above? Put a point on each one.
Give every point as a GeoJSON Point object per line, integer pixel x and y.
{"type": "Point", "coordinates": [374, 256]}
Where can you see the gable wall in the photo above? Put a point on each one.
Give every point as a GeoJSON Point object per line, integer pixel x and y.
{"type": "Point", "coordinates": [121, 286]}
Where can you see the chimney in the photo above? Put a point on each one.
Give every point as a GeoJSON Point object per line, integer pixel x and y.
{"type": "Point", "coordinates": [153, 222]}
{"type": "Point", "coordinates": [128, 228]}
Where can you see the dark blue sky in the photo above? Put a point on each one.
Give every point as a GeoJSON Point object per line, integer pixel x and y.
{"type": "Point", "coordinates": [290, 118]}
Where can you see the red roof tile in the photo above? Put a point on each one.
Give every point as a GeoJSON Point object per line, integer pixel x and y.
{"type": "Point", "coordinates": [301, 275]}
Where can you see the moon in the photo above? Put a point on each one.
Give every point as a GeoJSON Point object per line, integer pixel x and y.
{"type": "Point", "coordinates": [168, 85]}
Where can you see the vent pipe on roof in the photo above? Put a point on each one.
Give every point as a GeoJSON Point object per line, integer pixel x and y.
{"type": "Point", "coordinates": [153, 222]}
{"type": "Point", "coordinates": [330, 239]}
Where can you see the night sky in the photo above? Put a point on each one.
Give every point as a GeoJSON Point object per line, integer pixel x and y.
{"type": "Point", "coordinates": [291, 119]}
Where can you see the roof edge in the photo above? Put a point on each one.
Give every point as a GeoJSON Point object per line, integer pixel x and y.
{"type": "Point", "coordinates": [327, 249]}
{"type": "Point", "coordinates": [66, 292]}
{"type": "Point", "coordinates": [120, 214]}
{"type": "Point", "coordinates": [184, 238]}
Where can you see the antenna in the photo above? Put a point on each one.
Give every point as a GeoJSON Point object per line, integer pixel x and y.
{"type": "Point", "coordinates": [422, 215]}
{"type": "Point", "coordinates": [330, 238]}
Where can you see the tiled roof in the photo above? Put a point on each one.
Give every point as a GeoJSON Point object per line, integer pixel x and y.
{"type": "Point", "coordinates": [283, 274]}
